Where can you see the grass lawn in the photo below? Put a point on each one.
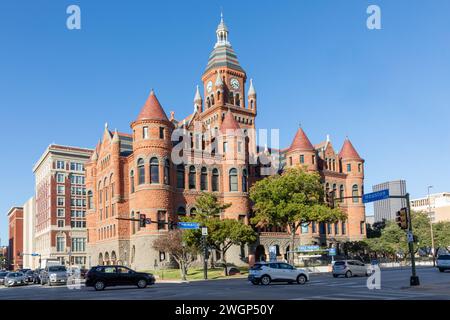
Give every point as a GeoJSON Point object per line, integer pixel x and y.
{"type": "Point", "coordinates": [194, 274]}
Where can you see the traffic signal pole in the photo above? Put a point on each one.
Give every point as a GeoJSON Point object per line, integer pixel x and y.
{"type": "Point", "coordinates": [414, 281]}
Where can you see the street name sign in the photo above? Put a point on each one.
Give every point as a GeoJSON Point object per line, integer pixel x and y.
{"type": "Point", "coordinates": [204, 231]}
{"type": "Point", "coordinates": [308, 248]}
{"type": "Point", "coordinates": [375, 196]}
{"type": "Point", "coordinates": [188, 225]}
{"type": "Point", "coordinates": [332, 251]}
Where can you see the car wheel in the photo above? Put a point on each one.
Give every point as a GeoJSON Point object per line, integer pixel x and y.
{"type": "Point", "coordinates": [348, 274]}
{"type": "Point", "coordinates": [265, 280]}
{"type": "Point", "coordinates": [99, 286]}
{"type": "Point", "coordinates": [142, 284]}
{"type": "Point", "coordinates": [301, 279]}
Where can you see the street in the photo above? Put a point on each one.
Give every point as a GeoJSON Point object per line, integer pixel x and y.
{"type": "Point", "coordinates": [394, 286]}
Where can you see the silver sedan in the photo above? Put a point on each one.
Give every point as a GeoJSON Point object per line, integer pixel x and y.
{"type": "Point", "coordinates": [15, 279]}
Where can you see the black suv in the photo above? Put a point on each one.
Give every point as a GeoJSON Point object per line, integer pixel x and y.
{"type": "Point", "coordinates": [101, 277]}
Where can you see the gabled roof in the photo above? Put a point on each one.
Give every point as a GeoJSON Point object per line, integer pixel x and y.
{"type": "Point", "coordinates": [152, 109]}
{"type": "Point", "coordinates": [348, 151]}
{"type": "Point", "coordinates": [301, 141]}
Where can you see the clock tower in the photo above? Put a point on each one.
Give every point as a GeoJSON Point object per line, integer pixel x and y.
{"type": "Point", "coordinates": [224, 86]}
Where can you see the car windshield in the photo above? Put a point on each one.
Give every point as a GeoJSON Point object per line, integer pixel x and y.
{"type": "Point", "coordinates": [14, 274]}
{"type": "Point", "coordinates": [57, 269]}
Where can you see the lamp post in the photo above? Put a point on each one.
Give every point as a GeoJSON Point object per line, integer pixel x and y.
{"type": "Point", "coordinates": [431, 226]}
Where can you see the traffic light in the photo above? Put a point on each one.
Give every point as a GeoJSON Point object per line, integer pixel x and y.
{"type": "Point", "coordinates": [142, 220]}
{"type": "Point", "coordinates": [402, 218]}
{"type": "Point", "coordinates": [330, 199]}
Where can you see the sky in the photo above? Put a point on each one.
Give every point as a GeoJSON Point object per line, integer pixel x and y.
{"type": "Point", "coordinates": [312, 62]}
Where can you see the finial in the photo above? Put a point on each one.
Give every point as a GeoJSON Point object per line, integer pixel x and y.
{"type": "Point", "coordinates": [106, 125]}
{"type": "Point", "coordinates": [328, 138]}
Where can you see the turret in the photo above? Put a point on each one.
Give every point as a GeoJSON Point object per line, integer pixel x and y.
{"type": "Point", "coordinates": [302, 152]}
{"type": "Point", "coordinates": [197, 101]}
{"type": "Point", "coordinates": [251, 97]}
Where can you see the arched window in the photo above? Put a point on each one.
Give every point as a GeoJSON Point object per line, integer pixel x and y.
{"type": "Point", "coordinates": [100, 192]}
{"type": "Point", "coordinates": [355, 193]}
{"type": "Point", "coordinates": [341, 193]}
{"type": "Point", "coordinates": [238, 101]}
{"type": "Point", "coordinates": [215, 180]}
{"type": "Point", "coordinates": [133, 224]}
{"type": "Point", "coordinates": [192, 177]}
{"type": "Point", "coordinates": [181, 211]}
{"type": "Point", "coordinates": [233, 180]}
{"type": "Point", "coordinates": [244, 180]}
{"type": "Point", "coordinates": [207, 103]}
{"type": "Point", "coordinates": [132, 181]}
{"type": "Point", "coordinates": [141, 171]}
{"type": "Point", "coordinates": [167, 172]}
{"type": "Point", "coordinates": [133, 253]}
{"type": "Point", "coordinates": [327, 188]}
{"type": "Point", "coordinates": [204, 179]}
{"type": "Point", "coordinates": [154, 170]}
{"type": "Point", "coordinates": [90, 201]}
{"type": "Point", "coordinates": [105, 186]}
{"type": "Point", "coordinates": [111, 182]}
{"type": "Point", "coordinates": [231, 98]}
{"type": "Point", "coordinates": [212, 99]}
{"type": "Point", "coordinates": [252, 104]}
{"type": "Point", "coordinates": [218, 95]}
{"type": "Point", "coordinates": [334, 190]}
{"type": "Point", "coordinates": [180, 176]}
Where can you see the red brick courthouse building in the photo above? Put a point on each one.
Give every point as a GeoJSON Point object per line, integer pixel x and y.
{"type": "Point", "coordinates": [135, 173]}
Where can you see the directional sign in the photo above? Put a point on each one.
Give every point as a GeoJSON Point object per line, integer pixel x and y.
{"type": "Point", "coordinates": [35, 254]}
{"type": "Point", "coordinates": [308, 248]}
{"type": "Point", "coordinates": [188, 225]}
{"type": "Point", "coordinates": [332, 252]}
{"type": "Point", "coordinates": [376, 196]}
{"type": "Point", "coordinates": [410, 237]}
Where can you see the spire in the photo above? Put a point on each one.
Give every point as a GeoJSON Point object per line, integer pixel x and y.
{"type": "Point", "coordinates": [251, 90]}
{"type": "Point", "coordinates": [301, 141]}
{"type": "Point", "coordinates": [197, 97]}
{"type": "Point", "coordinates": [229, 123]}
{"type": "Point", "coordinates": [219, 82]}
{"type": "Point", "coordinates": [348, 151]}
{"type": "Point", "coordinates": [152, 109]}
{"type": "Point", "coordinates": [116, 137]}
{"type": "Point", "coordinates": [222, 33]}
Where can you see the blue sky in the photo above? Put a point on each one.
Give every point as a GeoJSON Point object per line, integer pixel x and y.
{"type": "Point", "coordinates": [313, 62]}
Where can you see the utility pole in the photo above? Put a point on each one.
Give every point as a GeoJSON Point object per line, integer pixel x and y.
{"type": "Point", "coordinates": [414, 281]}
{"type": "Point", "coordinates": [431, 227]}
{"type": "Point", "coordinates": [205, 253]}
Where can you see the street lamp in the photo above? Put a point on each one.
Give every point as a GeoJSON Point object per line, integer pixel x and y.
{"type": "Point", "coordinates": [431, 226]}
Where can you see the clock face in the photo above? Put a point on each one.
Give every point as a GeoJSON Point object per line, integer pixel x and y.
{"type": "Point", "coordinates": [209, 86]}
{"type": "Point", "coordinates": [234, 83]}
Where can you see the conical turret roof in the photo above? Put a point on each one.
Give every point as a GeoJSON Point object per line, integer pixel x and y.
{"type": "Point", "coordinates": [152, 109]}
{"type": "Point", "coordinates": [229, 123]}
{"type": "Point", "coordinates": [348, 151]}
{"type": "Point", "coordinates": [301, 141]}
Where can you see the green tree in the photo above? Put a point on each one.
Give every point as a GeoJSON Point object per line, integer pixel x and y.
{"type": "Point", "coordinates": [292, 199]}
{"type": "Point", "coordinates": [222, 233]}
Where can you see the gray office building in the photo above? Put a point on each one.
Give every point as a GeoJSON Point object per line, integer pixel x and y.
{"type": "Point", "coordinates": [386, 209]}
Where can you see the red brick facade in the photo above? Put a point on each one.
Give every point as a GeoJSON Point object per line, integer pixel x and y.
{"type": "Point", "coordinates": [15, 244]}
{"type": "Point", "coordinates": [137, 173]}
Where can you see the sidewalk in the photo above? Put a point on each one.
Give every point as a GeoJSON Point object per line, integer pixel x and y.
{"type": "Point", "coordinates": [437, 288]}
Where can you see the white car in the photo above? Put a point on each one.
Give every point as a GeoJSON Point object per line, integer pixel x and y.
{"type": "Point", "coordinates": [265, 273]}
{"type": "Point", "coordinates": [443, 262]}
{"type": "Point", "coordinates": [350, 268]}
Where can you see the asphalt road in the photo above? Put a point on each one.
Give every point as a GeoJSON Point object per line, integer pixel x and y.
{"type": "Point", "coordinates": [394, 286]}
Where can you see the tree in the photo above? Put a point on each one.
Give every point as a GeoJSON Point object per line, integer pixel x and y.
{"type": "Point", "coordinates": [222, 233]}
{"type": "Point", "coordinates": [173, 243]}
{"type": "Point", "coordinates": [374, 231]}
{"type": "Point", "coordinates": [291, 199]}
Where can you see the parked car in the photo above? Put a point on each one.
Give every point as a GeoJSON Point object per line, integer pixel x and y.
{"type": "Point", "coordinates": [54, 275]}
{"type": "Point", "coordinates": [14, 279]}
{"type": "Point", "coordinates": [101, 277]}
{"type": "Point", "coordinates": [265, 273]}
{"type": "Point", "coordinates": [350, 268]}
{"type": "Point", "coordinates": [443, 262]}
{"type": "Point", "coordinates": [2, 277]}
{"type": "Point", "coordinates": [30, 276]}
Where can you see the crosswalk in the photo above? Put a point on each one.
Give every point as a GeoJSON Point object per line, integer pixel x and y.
{"type": "Point", "coordinates": [370, 295]}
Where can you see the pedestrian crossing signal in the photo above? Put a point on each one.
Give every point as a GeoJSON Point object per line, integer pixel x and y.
{"type": "Point", "coordinates": [402, 218]}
